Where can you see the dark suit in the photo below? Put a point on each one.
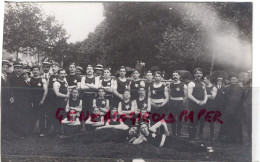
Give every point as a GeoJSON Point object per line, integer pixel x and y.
{"type": "Point", "coordinates": [20, 110]}
{"type": "Point", "coordinates": [5, 105]}
{"type": "Point", "coordinates": [247, 109]}
{"type": "Point", "coordinates": [233, 112]}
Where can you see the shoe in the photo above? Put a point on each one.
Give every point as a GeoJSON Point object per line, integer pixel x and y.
{"type": "Point", "coordinates": [65, 121]}
{"type": "Point", "coordinates": [210, 150]}
{"type": "Point", "coordinates": [42, 135]}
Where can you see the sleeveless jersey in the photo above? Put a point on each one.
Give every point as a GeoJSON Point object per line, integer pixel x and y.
{"type": "Point", "coordinates": [73, 103]}
{"type": "Point", "coordinates": [198, 90]}
{"type": "Point", "coordinates": [143, 104]}
{"type": "Point", "coordinates": [148, 85]}
{"type": "Point", "coordinates": [63, 87]}
{"type": "Point", "coordinates": [52, 79]}
{"type": "Point", "coordinates": [210, 103]}
{"type": "Point", "coordinates": [121, 86]}
{"type": "Point", "coordinates": [36, 88]}
{"type": "Point", "coordinates": [154, 138]}
{"type": "Point", "coordinates": [134, 86]}
{"type": "Point", "coordinates": [90, 81]}
{"type": "Point", "coordinates": [101, 103]}
{"type": "Point", "coordinates": [126, 106]}
{"type": "Point", "coordinates": [107, 83]}
{"type": "Point", "coordinates": [73, 79]}
{"type": "Point", "coordinates": [157, 93]}
{"type": "Point", "coordinates": [177, 89]}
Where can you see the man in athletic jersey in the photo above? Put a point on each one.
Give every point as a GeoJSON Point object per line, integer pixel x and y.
{"type": "Point", "coordinates": [39, 90]}
{"type": "Point", "coordinates": [101, 102]}
{"type": "Point", "coordinates": [89, 85]}
{"type": "Point", "coordinates": [151, 136]}
{"type": "Point", "coordinates": [126, 109]}
{"type": "Point", "coordinates": [178, 97]}
{"type": "Point", "coordinates": [72, 78]}
{"type": "Point", "coordinates": [209, 106]}
{"type": "Point", "coordinates": [109, 86]}
{"type": "Point", "coordinates": [121, 84]}
{"type": "Point", "coordinates": [135, 84]}
{"type": "Point", "coordinates": [73, 108]}
{"type": "Point", "coordinates": [50, 99]}
{"type": "Point", "coordinates": [159, 94]}
{"type": "Point", "coordinates": [61, 91]}
{"type": "Point", "coordinates": [143, 106]}
{"type": "Point", "coordinates": [197, 95]}
{"type": "Point", "coordinates": [149, 81]}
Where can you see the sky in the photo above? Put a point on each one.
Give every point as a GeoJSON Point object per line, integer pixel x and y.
{"type": "Point", "coordinates": [78, 19]}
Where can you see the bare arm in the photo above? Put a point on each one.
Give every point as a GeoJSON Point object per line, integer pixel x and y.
{"type": "Point", "coordinates": [149, 105]}
{"type": "Point", "coordinates": [157, 125]}
{"type": "Point", "coordinates": [45, 88]}
{"type": "Point", "coordinates": [94, 86]}
{"type": "Point", "coordinates": [83, 85]}
{"type": "Point", "coordinates": [191, 85]}
{"type": "Point", "coordinates": [213, 93]}
{"type": "Point", "coordinates": [205, 95]}
{"type": "Point", "coordinates": [106, 108]}
{"type": "Point", "coordinates": [56, 87]}
{"type": "Point", "coordinates": [139, 140]}
{"type": "Point", "coordinates": [67, 106]}
{"type": "Point", "coordinates": [166, 93]}
{"type": "Point", "coordinates": [115, 92]}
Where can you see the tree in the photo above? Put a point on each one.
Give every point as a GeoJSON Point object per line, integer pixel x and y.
{"type": "Point", "coordinates": [26, 26]}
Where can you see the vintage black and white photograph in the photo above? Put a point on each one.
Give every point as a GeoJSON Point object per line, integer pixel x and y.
{"type": "Point", "coordinates": [118, 81]}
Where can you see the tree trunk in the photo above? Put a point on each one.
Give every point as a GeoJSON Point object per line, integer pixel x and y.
{"type": "Point", "coordinates": [212, 61]}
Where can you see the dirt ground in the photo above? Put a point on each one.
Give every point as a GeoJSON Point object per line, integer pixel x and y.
{"type": "Point", "coordinates": [53, 149]}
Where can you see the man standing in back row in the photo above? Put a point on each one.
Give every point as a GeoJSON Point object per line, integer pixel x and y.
{"type": "Point", "coordinates": [178, 97]}
{"type": "Point", "coordinates": [197, 95]}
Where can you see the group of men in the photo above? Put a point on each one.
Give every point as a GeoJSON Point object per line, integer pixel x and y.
{"type": "Point", "coordinates": [28, 96]}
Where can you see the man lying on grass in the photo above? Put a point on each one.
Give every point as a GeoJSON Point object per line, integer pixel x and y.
{"type": "Point", "coordinates": [151, 136]}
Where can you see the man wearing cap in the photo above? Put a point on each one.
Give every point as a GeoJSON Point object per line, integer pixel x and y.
{"type": "Point", "coordinates": [16, 81]}
{"type": "Point", "coordinates": [50, 99]}
{"type": "Point", "coordinates": [219, 103]}
{"type": "Point", "coordinates": [73, 79]}
{"type": "Point", "coordinates": [233, 111]}
{"type": "Point", "coordinates": [89, 85]}
{"type": "Point", "coordinates": [46, 70]}
{"type": "Point", "coordinates": [39, 92]}
{"type": "Point", "coordinates": [19, 107]}
{"type": "Point", "coordinates": [5, 96]}
{"type": "Point", "coordinates": [98, 70]}
{"type": "Point", "coordinates": [79, 70]}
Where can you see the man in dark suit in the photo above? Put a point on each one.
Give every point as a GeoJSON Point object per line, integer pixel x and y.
{"type": "Point", "coordinates": [5, 97]}
{"type": "Point", "coordinates": [20, 105]}
{"type": "Point", "coordinates": [233, 111]}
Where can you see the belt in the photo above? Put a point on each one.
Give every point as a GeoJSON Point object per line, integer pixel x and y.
{"type": "Point", "coordinates": [158, 100]}
{"type": "Point", "coordinates": [177, 98]}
